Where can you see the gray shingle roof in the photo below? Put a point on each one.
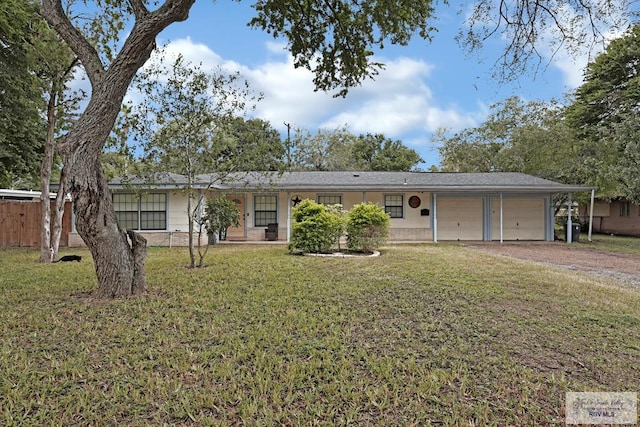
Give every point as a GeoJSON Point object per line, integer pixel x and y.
{"type": "Point", "coordinates": [370, 181]}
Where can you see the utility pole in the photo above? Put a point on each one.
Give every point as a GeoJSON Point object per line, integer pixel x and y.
{"type": "Point", "coordinates": [288, 125]}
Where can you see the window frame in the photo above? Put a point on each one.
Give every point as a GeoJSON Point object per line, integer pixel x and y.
{"type": "Point", "coordinates": [388, 207]}
{"type": "Point", "coordinates": [256, 212]}
{"type": "Point", "coordinates": [159, 216]}
{"type": "Point", "coordinates": [625, 209]}
{"type": "Point", "coordinates": [339, 196]}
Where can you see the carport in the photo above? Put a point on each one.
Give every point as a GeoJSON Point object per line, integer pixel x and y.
{"type": "Point", "coordinates": [519, 210]}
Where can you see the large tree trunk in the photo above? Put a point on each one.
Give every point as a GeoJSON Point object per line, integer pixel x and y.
{"type": "Point", "coordinates": [119, 263]}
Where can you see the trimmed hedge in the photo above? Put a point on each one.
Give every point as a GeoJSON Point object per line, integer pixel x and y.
{"type": "Point", "coordinates": [316, 227]}
{"type": "Point", "coordinates": [367, 227]}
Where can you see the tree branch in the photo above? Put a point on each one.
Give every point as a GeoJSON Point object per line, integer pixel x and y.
{"type": "Point", "coordinates": [139, 9]}
{"type": "Point", "coordinates": [54, 14]}
{"type": "Point", "coordinates": [141, 41]}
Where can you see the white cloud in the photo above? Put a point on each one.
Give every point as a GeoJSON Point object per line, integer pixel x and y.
{"type": "Point", "coordinates": [399, 102]}
{"type": "Point", "coordinates": [396, 102]}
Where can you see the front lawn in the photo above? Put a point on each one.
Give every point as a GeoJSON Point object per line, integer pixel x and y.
{"type": "Point", "coordinates": [423, 334]}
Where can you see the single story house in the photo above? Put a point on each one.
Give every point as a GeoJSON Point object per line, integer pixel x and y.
{"type": "Point", "coordinates": [423, 206]}
{"type": "Point", "coordinates": [617, 216]}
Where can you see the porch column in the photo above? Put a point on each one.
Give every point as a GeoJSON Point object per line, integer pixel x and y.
{"type": "Point", "coordinates": [288, 216]}
{"type": "Point", "coordinates": [435, 218]}
{"type": "Point", "coordinates": [501, 221]}
{"type": "Point", "coordinates": [569, 219]}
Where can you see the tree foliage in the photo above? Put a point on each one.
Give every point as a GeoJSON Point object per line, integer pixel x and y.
{"type": "Point", "coordinates": [249, 145]}
{"type": "Point", "coordinates": [529, 137]}
{"type": "Point", "coordinates": [592, 140]}
{"type": "Point", "coordinates": [340, 150]}
{"type": "Point", "coordinates": [327, 150]}
{"type": "Point", "coordinates": [22, 126]}
{"type": "Point", "coordinates": [378, 153]}
{"type": "Point", "coordinates": [336, 40]}
{"type": "Point", "coordinates": [604, 115]}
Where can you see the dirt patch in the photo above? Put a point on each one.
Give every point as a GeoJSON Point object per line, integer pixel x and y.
{"type": "Point", "coordinates": [623, 268]}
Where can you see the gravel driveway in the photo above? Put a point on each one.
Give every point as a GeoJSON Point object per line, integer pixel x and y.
{"type": "Point", "coordinates": [623, 268]}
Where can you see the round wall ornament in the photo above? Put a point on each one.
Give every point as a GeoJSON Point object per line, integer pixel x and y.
{"type": "Point", "coordinates": [414, 201]}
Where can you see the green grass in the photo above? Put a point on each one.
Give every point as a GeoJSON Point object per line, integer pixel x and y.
{"type": "Point", "coordinates": [422, 335]}
{"type": "Point", "coordinates": [620, 244]}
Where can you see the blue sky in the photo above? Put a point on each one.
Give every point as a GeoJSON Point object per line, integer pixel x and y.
{"type": "Point", "coordinates": [426, 86]}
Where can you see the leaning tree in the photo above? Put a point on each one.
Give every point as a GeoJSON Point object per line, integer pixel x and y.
{"type": "Point", "coordinates": [333, 39]}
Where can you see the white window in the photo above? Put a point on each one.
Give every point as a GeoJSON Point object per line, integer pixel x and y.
{"type": "Point", "coordinates": [145, 212]}
{"type": "Point", "coordinates": [265, 210]}
{"type": "Point", "coordinates": [330, 199]}
{"type": "Point", "coordinates": [394, 205]}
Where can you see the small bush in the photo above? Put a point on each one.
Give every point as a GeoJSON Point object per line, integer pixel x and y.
{"type": "Point", "coordinates": [316, 227]}
{"type": "Point", "coordinates": [220, 214]}
{"type": "Point", "coordinates": [367, 227]}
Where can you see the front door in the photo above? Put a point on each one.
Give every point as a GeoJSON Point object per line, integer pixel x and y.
{"type": "Point", "coordinates": [237, 233]}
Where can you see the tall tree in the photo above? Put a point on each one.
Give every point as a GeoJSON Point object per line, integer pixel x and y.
{"type": "Point", "coordinates": [177, 126]}
{"type": "Point", "coordinates": [327, 150]}
{"type": "Point", "coordinates": [55, 67]}
{"type": "Point", "coordinates": [336, 42]}
{"type": "Point", "coordinates": [377, 153]}
{"type": "Point", "coordinates": [21, 122]}
{"type": "Point", "coordinates": [249, 145]}
{"type": "Point", "coordinates": [604, 115]}
{"type": "Point", "coordinates": [118, 254]}
{"type": "Point", "coordinates": [528, 137]}
{"type": "Point", "coordinates": [624, 173]}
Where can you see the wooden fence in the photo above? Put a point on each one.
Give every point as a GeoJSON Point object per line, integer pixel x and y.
{"type": "Point", "coordinates": [20, 223]}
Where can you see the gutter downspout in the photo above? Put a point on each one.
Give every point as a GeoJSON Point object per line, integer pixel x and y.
{"type": "Point", "coordinates": [593, 195]}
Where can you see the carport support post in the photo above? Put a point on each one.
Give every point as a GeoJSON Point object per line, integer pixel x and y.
{"type": "Point", "coordinates": [501, 221]}
{"type": "Point", "coordinates": [435, 218]}
{"type": "Point", "coordinates": [288, 217]}
{"type": "Point", "coordinates": [569, 219]}
{"type": "Point", "coordinates": [593, 195]}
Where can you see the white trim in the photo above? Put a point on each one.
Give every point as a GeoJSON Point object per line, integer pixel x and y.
{"type": "Point", "coordinates": [501, 219]}
{"type": "Point", "coordinates": [435, 217]}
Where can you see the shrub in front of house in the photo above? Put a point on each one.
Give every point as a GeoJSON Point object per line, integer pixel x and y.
{"type": "Point", "coordinates": [367, 227]}
{"type": "Point", "coordinates": [220, 214]}
{"type": "Point", "coordinates": [316, 228]}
